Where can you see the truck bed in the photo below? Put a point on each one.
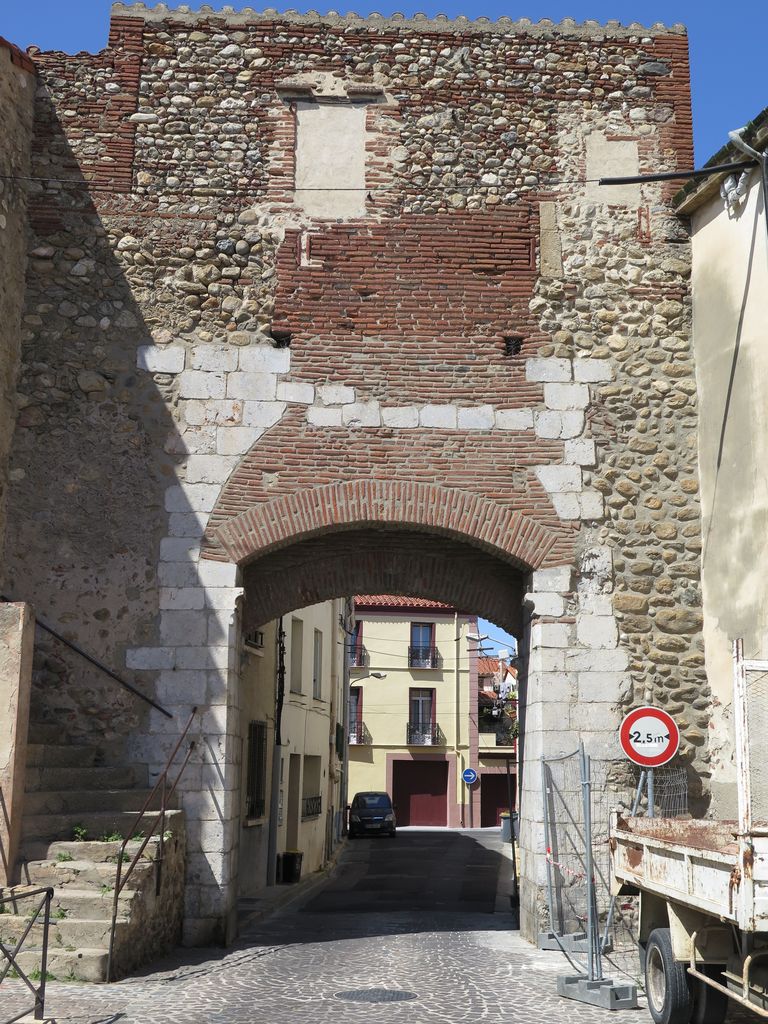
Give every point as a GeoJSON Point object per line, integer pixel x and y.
{"type": "Point", "coordinates": [699, 864]}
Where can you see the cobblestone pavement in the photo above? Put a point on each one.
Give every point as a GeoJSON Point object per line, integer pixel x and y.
{"type": "Point", "coordinates": [456, 965]}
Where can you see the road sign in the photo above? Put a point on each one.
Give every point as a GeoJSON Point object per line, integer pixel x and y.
{"type": "Point", "coordinates": [470, 776]}
{"type": "Point", "coordinates": [649, 737]}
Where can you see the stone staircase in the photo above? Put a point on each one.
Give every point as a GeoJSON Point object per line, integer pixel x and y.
{"type": "Point", "coordinates": [77, 811]}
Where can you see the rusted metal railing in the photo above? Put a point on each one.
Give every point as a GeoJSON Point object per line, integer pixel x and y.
{"type": "Point", "coordinates": [9, 956]}
{"type": "Point", "coordinates": [166, 791]}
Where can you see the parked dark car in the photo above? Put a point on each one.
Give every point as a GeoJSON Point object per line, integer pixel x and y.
{"type": "Point", "coordinates": [371, 814]}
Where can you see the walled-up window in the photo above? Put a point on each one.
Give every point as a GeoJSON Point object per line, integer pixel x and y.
{"type": "Point", "coordinates": [317, 666]}
{"type": "Point", "coordinates": [297, 654]}
{"type": "Point", "coordinates": [256, 773]}
{"type": "Point", "coordinates": [330, 157]}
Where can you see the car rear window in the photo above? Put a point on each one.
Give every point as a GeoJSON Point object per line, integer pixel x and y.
{"type": "Point", "coordinates": [372, 801]}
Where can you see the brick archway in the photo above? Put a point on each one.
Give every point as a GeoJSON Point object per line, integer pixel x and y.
{"type": "Point", "coordinates": [516, 539]}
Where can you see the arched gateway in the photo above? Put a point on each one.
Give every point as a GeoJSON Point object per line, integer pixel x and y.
{"type": "Point", "coordinates": [343, 310]}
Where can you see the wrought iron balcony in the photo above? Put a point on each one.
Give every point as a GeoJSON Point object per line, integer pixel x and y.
{"type": "Point", "coordinates": [423, 657]}
{"type": "Point", "coordinates": [311, 806]}
{"type": "Point", "coordinates": [421, 735]}
{"type": "Point", "coordinates": [359, 735]}
{"type": "Point", "coordinates": [357, 656]}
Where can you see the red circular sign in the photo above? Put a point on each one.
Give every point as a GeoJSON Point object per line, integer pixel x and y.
{"type": "Point", "coordinates": [649, 737]}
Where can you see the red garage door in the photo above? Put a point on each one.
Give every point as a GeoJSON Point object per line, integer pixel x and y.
{"type": "Point", "coordinates": [420, 792]}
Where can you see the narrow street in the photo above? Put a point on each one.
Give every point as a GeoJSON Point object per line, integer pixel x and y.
{"type": "Point", "coordinates": [404, 931]}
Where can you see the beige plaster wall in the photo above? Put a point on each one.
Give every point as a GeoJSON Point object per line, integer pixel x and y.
{"type": "Point", "coordinates": [730, 281]}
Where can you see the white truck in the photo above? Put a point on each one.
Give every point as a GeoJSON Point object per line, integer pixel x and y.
{"type": "Point", "coordinates": [703, 884]}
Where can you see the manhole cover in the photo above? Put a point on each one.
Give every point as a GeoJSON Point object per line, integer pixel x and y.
{"type": "Point", "coordinates": [376, 995]}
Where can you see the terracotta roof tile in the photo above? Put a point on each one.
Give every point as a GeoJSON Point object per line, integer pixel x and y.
{"type": "Point", "coordinates": [372, 601]}
{"type": "Point", "coordinates": [487, 666]}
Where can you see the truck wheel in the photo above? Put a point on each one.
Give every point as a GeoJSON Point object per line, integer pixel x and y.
{"type": "Point", "coordinates": [709, 1005]}
{"type": "Point", "coordinates": [666, 981]}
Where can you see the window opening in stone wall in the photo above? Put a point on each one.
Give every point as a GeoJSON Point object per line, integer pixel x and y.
{"type": "Point", "coordinates": [330, 158]}
{"type": "Point", "coordinates": [317, 666]}
{"type": "Point", "coordinates": [256, 777]}
{"type": "Point", "coordinates": [513, 344]}
{"type": "Point", "coordinates": [297, 651]}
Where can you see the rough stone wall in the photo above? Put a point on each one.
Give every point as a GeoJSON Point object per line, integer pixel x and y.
{"type": "Point", "coordinates": [17, 89]}
{"type": "Point", "coordinates": [216, 373]}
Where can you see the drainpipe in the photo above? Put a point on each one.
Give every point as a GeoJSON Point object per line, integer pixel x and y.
{"type": "Point", "coordinates": [274, 797]}
{"type": "Point", "coordinates": [349, 617]}
{"type": "Point", "coordinates": [457, 723]}
{"type": "Point", "coordinates": [762, 161]}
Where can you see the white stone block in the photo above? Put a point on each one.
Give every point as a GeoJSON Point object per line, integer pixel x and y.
{"type": "Point", "coordinates": [187, 524]}
{"type": "Point", "coordinates": [210, 469]}
{"type": "Point", "coordinates": [439, 416]}
{"type": "Point", "coordinates": [546, 659]}
{"type": "Point", "coordinates": [591, 504]}
{"type": "Point", "coordinates": [335, 394]}
{"type": "Point", "coordinates": [295, 391]}
{"type": "Point", "coordinates": [548, 369]}
{"type": "Point", "coordinates": [362, 414]}
{"type": "Point", "coordinates": [224, 412]}
{"type": "Point", "coordinates": [217, 574]}
{"type": "Point", "coordinates": [150, 658]}
{"type": "Point", "coordinates": [177, 574]}
{"type": "Point", "coordinates": [597, 631]}
{"type": "Point", "coordinates": [559, 479]}
{"type": "Point", "coordinates": [220, 624]}
{"type": "Point", "coordinates": [548, 424]}
{"type": "Point", "coordinates": [183, 627]}
{"type": "Point", "coordinates": [222, 597]}
{"type": "Point", "coordinates": [192, 658]}
{"type": "Point", "coordinates": [478, 417]}
{"type": "Point", "coordinates": [179, 549]}
{"type": "Point", "coordinates": [556, 580]}
{"type": "Point", "coordinates": [182, 598]}
{"type": "Point", "coordinates": [550, 634]}
{"type": "Point", "coordinates": [580, 452]}
{"type": "Point", "coordinates": [604, 686]}
{"type": "Point", "coordinates": [571, 424]}
{"type": "Point", "coordinates": [595, 660]}
{"type": "Point", "coordinates": [596, 716]}
{"type": "Point", "coordinates": [596, 604]}
{"type": "Point", "coordinates": [191, 497]}
{"type": "Point", "coordinates": [592, 371]}
{"type": "Point", "coordinates": [262, 414]}
{"type": "Point", "coordinates": [265, 359]}
{"type": "Point", "coordinates": [214, 358]}
{"type": "Point", "coordinates": [182, 687]}
{"type": "Point", "coordinates": [161, 358]}
{"type": "Point", "coordinates": [514, 419]}
{"type": "Point", "coordinates": [236, 440]}
{"type": "Point", "coordinates": [186, 440]}
{"type": "Point", "coordinates": [321, 417]}
{"type": "Point", "coordinates": [546, 604]}
{"type": "Point", "coordinates": [257, 387]}
{"type": "Point", "coordinates": [400, 416]}
{"type": "Point", "coordinates": [201, 384]}
{"type": "Point", "coordinates": [567, 506]}
{"type": "Point", "coordinates": [566, 396]}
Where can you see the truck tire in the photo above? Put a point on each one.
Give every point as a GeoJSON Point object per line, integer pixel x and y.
{"type": "Point", "coordinates": [666, 981]}
{"type": "Point", "coordinates": [709, 1005]}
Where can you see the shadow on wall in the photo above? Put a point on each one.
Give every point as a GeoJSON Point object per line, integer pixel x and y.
{"type": "Point", "coordinates": [95, 449]}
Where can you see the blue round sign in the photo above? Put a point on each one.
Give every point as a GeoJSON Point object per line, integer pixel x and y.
{"type": "Point", "coordinates": [470, 776]}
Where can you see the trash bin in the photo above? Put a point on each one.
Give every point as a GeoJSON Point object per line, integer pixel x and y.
{"type": "Point", "coordinates": [279, 868]}
{"type": "Point", "coordinates": [292, 866]}
{"type": "Point", "coordinates": [505, 826]}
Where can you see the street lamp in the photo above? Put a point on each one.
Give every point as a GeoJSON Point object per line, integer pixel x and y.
{"type": "Point", "coordinates": [476, 638]}
{"type": "Point", "coordinates": [370, 675]}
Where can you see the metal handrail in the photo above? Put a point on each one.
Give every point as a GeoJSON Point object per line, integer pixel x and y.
{"type": "Point", "coordinates": [95, 661]}
{"type": "Point", "coordinates": [162, 785]}
{"type": "Point", "coordinates": [423, 657]}
{"type": "Point", "coordinates": [10, 956]}
{"type": "Point", "coordinates": [423, 734]}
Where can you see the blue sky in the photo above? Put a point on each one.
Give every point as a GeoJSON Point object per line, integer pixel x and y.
{"type": "Point", "coordinates": [727, 43]}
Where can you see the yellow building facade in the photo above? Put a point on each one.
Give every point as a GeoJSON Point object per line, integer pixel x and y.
{"type": "Point", "coordinates": [412, 707]}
